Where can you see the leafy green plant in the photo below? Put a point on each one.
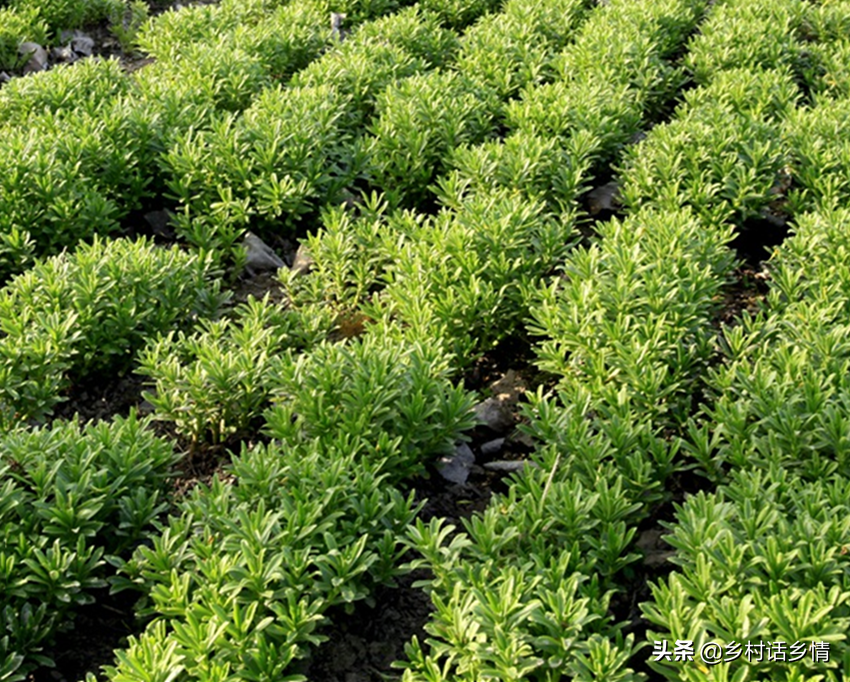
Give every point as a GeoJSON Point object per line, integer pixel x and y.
{"type": "Point", "coordinates": [763, 34]}
{"type": "Point", "coordinates": [71, 497]}
{"type": "Point", "coordinates": [277, 161]}
{"type": "Point", "coordinates": [418, 121]}
{"type": "Point", "coordinates": [506, 51]}
{"type": "Point", "coordinates": [763, 559]}
{"type": "Point", "coordinates": [240, 580]}
{"type": "Point", "coordinates": [394, 397]}
{"type": "Point", "coordinates": [721, 162]}
{"type": "Point", "coordinates": [455, 273]}
{"type": "Point", "coordinates": [781, 396]}
{"type": "Point", "coordinates": [635, 307]}
{"type": "Point", "coordinates": [213, 382]}
{"type": "Point", "coordinates": [91, 86]}
{"type": "Point", "coordinates": [126, 23]}
{"type": "Point", "coordinates": [18, 25]}
{"type": "Point", "coordinates": [89, 311]}
{"type": "Point", "coordinates": [66, 14]}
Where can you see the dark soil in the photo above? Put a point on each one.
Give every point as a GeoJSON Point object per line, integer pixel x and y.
{"type": "Point", "coordinates": [362, 646]}
{"type": "Point", "coordinates": [101, 398]}
{"type": "Point", "coordinates": [90, 640]}
{"type": "Point", "coordinates": [746, 292]}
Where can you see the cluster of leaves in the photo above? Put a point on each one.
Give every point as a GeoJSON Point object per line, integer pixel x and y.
{"type": "Point", "coordinates": [89, 311]}
{"type": "Point", "coordinates": [513, 596]}
{"type": "Point", "coordinates": [455, 274]}
{"type": "Point", "coordinates": [284, 155]}
{"type": "Point", "coordinates": [820, 153]}
{"type": "Point", "coordinates": [213, 382]}
{"type": "Point", "coordinates": [506, 51]}
{"type": "Point", "coordinates": [767, 34]}
{"type": "Point", "coordinates": [240, 580]}
{"type": "Point", "coordinates": [764, 559]}
{"type": "Point", "coordinates": [56, 15]}
{"type": "Point", "coordinates": [723, 153]}
{"type": "Point", "coordinates": [70, 498]}
{"type": "Point", "coordinates": [458, 14]}
{"type": "Point", "coordinates": [445, 276]}
{"type": "Point", "coordinates": [277, 42]}
{"type": "Point", "coordinates": [418, 121]}
{"type": "Point", "coordinates": [394, 395]}
{"type": "Point", "coordinates": [629, 318]}
{"type": "Point", "coordinates": [538, 167]}
{"type": "Point", "coordinates": [378, 54]}
{"type": "Point", "coordinates": [91, 86]}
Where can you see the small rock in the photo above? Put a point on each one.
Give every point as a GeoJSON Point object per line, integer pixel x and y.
{"type": "Point", "coordinates": [603, 199]}
{"type": "Point", "coordinates": [495, 414]}
{"type": "Point", "coordinates": [145, 408]}
{"type": "Point", "coordinates": [63, 54]}
{"type": "Point", "coordinates": [337, 18]}
{"type": "Point", "coordinates": [491, 447]}
{"type": "Point", "coordinates": [508, 467]}
{"type": "Point", "coordinates": [4, 77]}
{"type": "Point", "coordinates": [303, 261]}
{"type": "Point", "coordinates": [522, 438]}
{"type": "Point", "coordinates": [655, 548]}
{"type": "Point", "coordinates": [260, 256]}
{"type": "Point", "coordinates": [83, 45]}
{"type": "Point", "coordinates": [37, 57]}
{"type": "Point", "coordinates": [455, 468]}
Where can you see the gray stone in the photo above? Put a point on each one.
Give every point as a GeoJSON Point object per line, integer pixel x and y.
{"type": "Point", "coordinates": [337, 31]}
{"type": "Point", "coordinates": [259, 256]}
{"type": "Point", "coordinates": [495, 414]}
{"type": "Point", "coordinates": [37, 57]}
{"type": "Point", "coordinates": [603, 199]}
{"type": "Point", "coordinates": [83, 45]}
{"type": "Point", "coordinates": [4, 77]}
{"type": "Point", "coordinates": [491, 447]}
{"type": "Point", "coordinates": [507, 467]}
{"type": "Point", "coordinates": [160, 223]}
{"type": "Point", "coordinates": [63, 54]}
{"type": "Point", "coordinates": [455, 468]}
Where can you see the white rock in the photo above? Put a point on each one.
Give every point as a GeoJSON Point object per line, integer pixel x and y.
{"type": "Point", "coordinates": [303, 261]}
{"type": "Point", "coordinates": [604, 198]}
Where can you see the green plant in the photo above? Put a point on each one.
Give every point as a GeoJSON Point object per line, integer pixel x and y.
{"type": "Point", "coordinates": [213, 382]}
{"type": "Point", "coordinates": [393, 397]}
{"type": "Point", "coordinates": [87, 312]}
{"type": "Point", "coordinates": [19, 25]}
{"type": "Point", "coordinates": [418, 121]}
{"type": "Point", "coordinates": [71, 497]}
{"type": "Point", "coordinates": [126, 23]}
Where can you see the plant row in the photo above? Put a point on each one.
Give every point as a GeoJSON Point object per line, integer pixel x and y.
{"type": "Point", "coordinates": [630, 332]}
{"type": "Point", "coordinates": [773, 435]}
